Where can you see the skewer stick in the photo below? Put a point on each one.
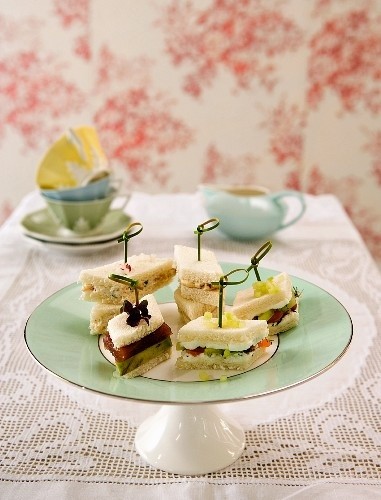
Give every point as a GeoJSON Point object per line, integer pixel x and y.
{"type": "Point", "coordinates": [224, 282]}
{"type": "Point", "coordinates": [265, 248]}
{"type": "Point", "coordinates": [127, 235]}
{"type": "Point", "coordinates": [202, 229]}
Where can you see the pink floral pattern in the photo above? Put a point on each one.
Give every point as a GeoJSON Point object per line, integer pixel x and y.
{"type": "Point", "coordinates": [174, 87]}
{"type": "Point", "coordinates": [136, 124]}
{"type": "Point", "coordinates": [243, 37]}
{"type": "Point", "coordinates": [32, 86]}
{"type": "Point", "coordinates": [219, 166]}
{"type": "Point", "coordinates": [345, 60]}
{"type": "Point", "coordinates": [286, 124]}
{"type": "Point", "coordinates": [373, 147]}
{"type": "Point", "coordinates": [76, 13]}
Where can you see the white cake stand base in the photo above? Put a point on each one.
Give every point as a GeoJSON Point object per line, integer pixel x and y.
{"type": "Point", "coordinates": [189, 440]}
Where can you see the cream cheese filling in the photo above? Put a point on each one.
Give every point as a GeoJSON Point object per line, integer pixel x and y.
{"type": "Point", "coordinates": [239, 346]}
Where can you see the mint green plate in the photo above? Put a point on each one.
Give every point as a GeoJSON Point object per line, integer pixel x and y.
{"type": "Point", "coordinates": [57, 336]}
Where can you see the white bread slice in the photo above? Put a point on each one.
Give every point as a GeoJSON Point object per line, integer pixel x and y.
{"type": "Point", "coordinates": [123, 334]}
{"type": "Point", "coordinates": [146, 366]}
{"type": "Point", "coordinates": [152, 273]}
{"type": "Point", "coordinates": [195, 273]}
{"type": "Point", "coordinates": [218, 362]}
{"type": "Point", "coordinates": [100, 315]}
{"type": "Point", "coordinates": [189, 309]}
{"type": "Point", "coordinates": [198, 333]}
{"type": "Point", "coordinates": [246, 306]}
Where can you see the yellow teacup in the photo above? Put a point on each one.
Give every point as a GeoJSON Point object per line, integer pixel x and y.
{"type": "Point", "coordinates": [76, 156]}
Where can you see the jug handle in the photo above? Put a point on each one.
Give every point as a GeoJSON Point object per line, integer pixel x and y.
{"type": "Point", "coordinates": [295, 194]}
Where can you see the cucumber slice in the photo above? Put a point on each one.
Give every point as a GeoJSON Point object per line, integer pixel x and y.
{"type": "Point", "coordinates": [143, 357]}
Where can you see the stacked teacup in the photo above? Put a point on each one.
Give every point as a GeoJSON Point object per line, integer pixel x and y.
{"type": "Point", "coordinates": [76, 182]}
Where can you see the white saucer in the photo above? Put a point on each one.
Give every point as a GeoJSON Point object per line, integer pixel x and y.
{"type": "Point", "coordinates": [40, 227]}
{"type": "Point", "coordinates": [79, 249]}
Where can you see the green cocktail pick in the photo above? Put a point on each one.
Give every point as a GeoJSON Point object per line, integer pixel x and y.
{"type": "Point", "coordinates": [223, 282]}
{"type": "Point", "coordinates": [127, 235]}
{"type": "Point", "coordinates": [134, 284]}
{"type": "Point", "coordinates": [201, 228]}
{"type": "Point", "coordinates": [265, 248]}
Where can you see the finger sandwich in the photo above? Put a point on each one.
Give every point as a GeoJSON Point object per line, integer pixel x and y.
{"type": "Point", "coordinates": [152, 273]}
{"type": "Point", "coordinates": [100, 315]}
{"type": "Point", "coordinates": [138, 338]}
{"type": "Point", "coordinates": [191, 309]}
{"type": "Point", "coordinates": [234, 346]}
{"type": "Point", "coordinates": [273, 300]}
{"type": "Point", "coordinates": [195, 281]}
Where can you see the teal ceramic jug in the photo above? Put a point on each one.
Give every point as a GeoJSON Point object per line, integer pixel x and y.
{"type": "Point", "coordinates": [250, 212]}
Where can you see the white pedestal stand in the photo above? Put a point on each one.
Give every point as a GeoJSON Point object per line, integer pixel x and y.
{"type": "Point", "coordinates": [189, 439]}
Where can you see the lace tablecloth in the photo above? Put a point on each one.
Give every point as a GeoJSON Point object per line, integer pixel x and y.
{"type": "Point", "coordinates": [320, 439]}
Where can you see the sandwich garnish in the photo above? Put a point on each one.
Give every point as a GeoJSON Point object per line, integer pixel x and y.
{"type": "Point", "coordinates": [137, 312]}
{"type": "Point", "coordinates": [202, 228]}
{"type": "Point", "coordinates": [125, 237]}
{"type": "Point", "coordinates": [222, 283]}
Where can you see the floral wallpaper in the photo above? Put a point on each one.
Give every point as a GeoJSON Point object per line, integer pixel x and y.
{"type": "Point", "coordinates": [284, 93]}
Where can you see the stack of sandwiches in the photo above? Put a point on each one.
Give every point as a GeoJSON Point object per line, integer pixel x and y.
{"type": "Point", "coordinates": [151, 272]}
{"type": "Point", "coordinates": [195, 294]}
{"type": "Point", "coordinates": [274, 301]}
{"type": "Point", "coordinates": [138, 342]}
{"type": "Point", "coordinates": [137, 336]}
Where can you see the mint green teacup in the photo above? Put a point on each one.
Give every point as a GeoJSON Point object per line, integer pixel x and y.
{"type": "Point", "coordinates": [82, 216]}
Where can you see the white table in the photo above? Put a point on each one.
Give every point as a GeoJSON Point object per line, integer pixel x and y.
{"type": "Point", "coordinates": [320, 439]}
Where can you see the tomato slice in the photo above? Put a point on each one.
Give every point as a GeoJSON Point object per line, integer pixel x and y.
{"type": "Point", "coordinates": [195, 352]}
{"type": "Point", "coordinates": [276, 317]}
